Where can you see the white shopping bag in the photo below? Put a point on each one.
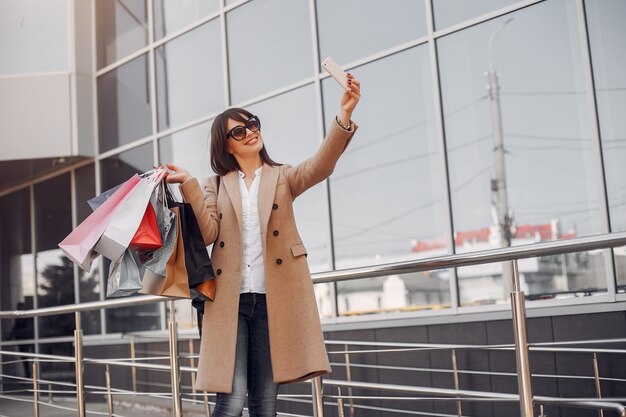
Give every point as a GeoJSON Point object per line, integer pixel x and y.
{"type": "Point", "coordinates": [120, 231]}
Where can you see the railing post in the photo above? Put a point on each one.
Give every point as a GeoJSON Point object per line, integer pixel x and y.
{"type": "Point", "coordinates": [318, 398]}
{"type": "Point", "coordinates": [78, 364]}
{"type": "Point", "coordinates": [521, 346]}
{"type": "Point", "coordinates": [349, 379]}
{"type": "Point", "coordinates": [192, 364]}
{"type": "Point", "coordinates": [35, 390]}
{"type": "Point", "coordinates": [596, 373]}
{"type": "Point", "coordinates": [340, 412]}
{"type": "Point", "coordinates": [174, 361]}
{"type": "Point", "coordinates": [107, 377]}
{"type": "Point", "coordinates": [207, 408]}
{"type": "Point", "coordinates": [455, 369]}
{"type": "Point", "coordinates": [133, 370]}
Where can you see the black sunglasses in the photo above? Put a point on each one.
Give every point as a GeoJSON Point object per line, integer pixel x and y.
{"type": "Point", "coordinates": [253, 124]}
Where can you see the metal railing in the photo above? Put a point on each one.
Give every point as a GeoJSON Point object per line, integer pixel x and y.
{"type": "Point", "coordinates": [525, 397]}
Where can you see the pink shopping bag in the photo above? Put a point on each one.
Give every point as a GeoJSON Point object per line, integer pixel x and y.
{"type": "Point", "coordinates": [79, 244]}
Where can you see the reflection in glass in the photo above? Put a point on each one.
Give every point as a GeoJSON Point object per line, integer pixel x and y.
{"type": "Point", "coordinates": [17, 279]}
{"type": "Point", "coordinates": [407, 292]}
{"type": "Point", "coordinates": [190, 81]}
{"type": "Point", "coordinates": [576, 274]}
{"type": "Point", "coordinates": [551, 182]}
{"type": "Point", "coordinates": [171, 15]}
{"type": "Point", "coordinates": [121, 29]}
{"type": "Point", "coordinates": [273, 51]}
{"type": "Point", "coordinates": [393, 162]}
{"type": "Point", "coordinates": [387, 200]}
{"type": "Point", "coordinates": [119, 168]}
{"type": "Point", "coordinates": [188, 148]}
{"type": "Point", "coordinates": [55, 272]}
{"type": "Point", "coordinates": [89, 282]}
{"type": "Point", "coordinates": [124, 113]}
{"type": "Point", "coordinates": [608, 51]}
{"type": "Point", "coordinates": [369, 20]}
{"type": "Point", "coordinates": [451, 12]}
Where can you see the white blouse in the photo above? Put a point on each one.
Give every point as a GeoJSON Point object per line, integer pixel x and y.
{"type": "Point", "coordinates": [253, 269]}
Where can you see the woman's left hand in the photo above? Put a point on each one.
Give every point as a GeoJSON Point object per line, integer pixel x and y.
{"type": "Point", "coordinates": [350, 99]}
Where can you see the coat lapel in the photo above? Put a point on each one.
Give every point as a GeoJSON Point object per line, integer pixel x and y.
{"type": "Point", "coordinates": [267, 191]}
{"type": "Point", "coordinates": [231, 183]}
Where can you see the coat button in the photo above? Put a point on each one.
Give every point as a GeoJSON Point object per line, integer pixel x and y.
{"type": "Point", "coordinates": [279, 261]}
{"type": "Point", "coordinates": [218, 272]}
{"type": "Point", "coordinates": [221, 244]}
{"type": "Point", "coordinates": [220, 215]}
{"type": "Point", "coordinates": [275, 206]}
{"type": "Point", "coordinates": [275, 232]}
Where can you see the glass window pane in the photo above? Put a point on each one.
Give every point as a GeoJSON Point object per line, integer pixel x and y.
{"type": "Point", "coordinates": [189, 149]}
{"type": "Point", "coordinates": [608, 51]}
{"type": "Point", "coordinates": [89, 281]}
{"type": "Point", "coordinates": [407, 292]}
{"type": "Point", "coordinates": [546, 162]}
{"type": "Point", "coordinates": [33, 36]}
{"type": "Point", "coordinates": [124, 113]}
{"type": "Point", "coordinates": [121, 29]}
{"type": "Point", "coordinates": [190, 79]}
{"type": "Point", "coordinates": [367, 20]}
{"type": "Point", "coordinates": [451, 12]}
{"type": "Point", "coordinates": [398, 212]}
{"type": "Point", "coordinates": [118, 168]}
{"type": "Point", "coordinates": [273, 51]}
{"type": "Point", "coordinates": [171, 16]}
{"type": "Point", "coordinates": [55, 272]}
{"type": "Point", "coordinates": [17, 279]}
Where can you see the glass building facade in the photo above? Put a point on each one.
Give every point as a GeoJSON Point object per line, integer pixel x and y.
{"type": "Point", "coordinates": [482, 125]}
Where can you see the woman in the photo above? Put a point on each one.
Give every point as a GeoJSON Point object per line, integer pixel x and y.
{"type": "Point", "coordinates": [263, 328]}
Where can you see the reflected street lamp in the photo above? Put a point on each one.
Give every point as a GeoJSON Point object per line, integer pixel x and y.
{"type": "Point", "coordinates": [498, 184]}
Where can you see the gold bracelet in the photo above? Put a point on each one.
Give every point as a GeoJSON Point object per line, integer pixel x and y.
{"type": "Point", "coordinates": [346, 128]}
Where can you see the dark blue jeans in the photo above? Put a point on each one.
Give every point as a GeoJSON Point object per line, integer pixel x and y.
{"type": "Point", "coordinates": [253, 365]}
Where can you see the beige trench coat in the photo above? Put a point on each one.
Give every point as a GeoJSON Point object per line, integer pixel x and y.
{"type": "Point", "coordinates": [296, 340]}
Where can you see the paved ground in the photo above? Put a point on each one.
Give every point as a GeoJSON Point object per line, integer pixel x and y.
{"type": "Point", "coordinates": [133, 407]}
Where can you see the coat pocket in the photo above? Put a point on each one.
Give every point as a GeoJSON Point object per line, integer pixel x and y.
{"type": "Point", "coordinates": [298, 250]}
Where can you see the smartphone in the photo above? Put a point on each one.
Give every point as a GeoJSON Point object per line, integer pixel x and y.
{"type": "Point", "coordinates": [336, 72]}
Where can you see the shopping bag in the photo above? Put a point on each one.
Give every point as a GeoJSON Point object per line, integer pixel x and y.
{"type": "Point", "coordinates": [176, 281]}
{"type": "Point", "coordinates": [124, 278]}
{"type": "Point", "coordinates": [147, 236]}
{"type": "Point", "coordinates": [155, 268]}
{"type": "Point", "coordinates": [79, 244]}
{"type": "Point", "coordinates": [174, 284]}
{"type": "Point", "coordinates": [197, 260]}
{"type": "Point", "coordinates": [97, 201]}
{"type": "Point", "coordinates": [119, 232]}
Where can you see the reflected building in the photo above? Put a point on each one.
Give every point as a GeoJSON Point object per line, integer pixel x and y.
{"type": "Point", "coordinates": [94, 91]}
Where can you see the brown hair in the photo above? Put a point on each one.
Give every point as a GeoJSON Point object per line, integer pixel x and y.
{"type": "Point", "coordinates": [223, 162]}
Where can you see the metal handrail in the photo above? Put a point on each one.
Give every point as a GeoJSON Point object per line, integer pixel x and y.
{"type": "Point", "coordinates": [532, 250]}
{"type": "Point", "coordinates": [578, 244]}
{"type": "Point", "coordinates": [450, 394]}
{"type": "Point", "coordinates": [456, 393]}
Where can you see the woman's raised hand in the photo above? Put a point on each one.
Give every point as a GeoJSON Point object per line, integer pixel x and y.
{"type": "Point", "coordinates": [350, 99]}
{"type": "Point", "coordinates": [179, 174]}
